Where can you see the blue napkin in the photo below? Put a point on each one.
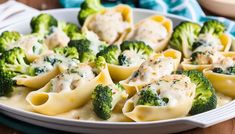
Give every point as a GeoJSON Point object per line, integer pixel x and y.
{"type": "Point", "coordinates": [186, 8]}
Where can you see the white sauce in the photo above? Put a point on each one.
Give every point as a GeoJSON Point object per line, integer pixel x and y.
{"type": "Point", "coordinates": [153, 69]}
{"type": "Point", "coordinates": [134, 58]}
{"type": "Point", "coordinates": [30, 44]}
{"type": "Point", "coordinates": [69, 80]}
{"type": "Point", "coordinates": [151, 32]}
{"type": "Point", "coordinates": [209, 42]}
{"type": "Point", "coordinates": [174, 87]}
{"type": "Point", "coordinates": [222, 99]}
{"type": "Point", "coordinates": [109, 26]}
{"type": "Point", "coordinates": [17, 99]}
{"type": "Point", "coordinates": [57, 39]}
{"type": "Point", "coordinates": [64, 62]}
{"type": "Point", "coordinates": [95, 42]}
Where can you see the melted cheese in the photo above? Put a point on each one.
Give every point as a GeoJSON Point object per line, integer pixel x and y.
{"type": "Point", "coordinates": [69, 80]}
{"type": "Point", "coordinates": [222, 99]}
{"type": "Point", "coordinates": [152, 69]}
{"type": "Point", "coordinates": [57, 39]}
{"type": "Point", "coordinates": [133, 58]}
{"type": "Point", "coordinates": [108, 26]}
{"type": "Point", "coordinates": [151, 32]}
{"type": "Point", "coordinates": [86, 113]}
{"type": "Point", "coordinates": [209, 42]}
{"type": "Point", "coordinates": [17, 99]}
{"type": "Point", "coordinates": [180, 92]}
{"type": "Point", "coordinates": [95, 42]}
{"type": "Point", "coordinates": [30, 44]}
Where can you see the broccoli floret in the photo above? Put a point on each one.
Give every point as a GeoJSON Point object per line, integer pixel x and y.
{"type": "Point", "coordinates": [100, 63]}
{"type": "Point", "coordinates": [43, 23]}
{"type": "Point", "coordinates": [83, 48]}
{"type": "Point", "coordinates": [6, 82]}
{"type": "Point", "coordinates": [131, 49]}
{"type": "Point", "coordinates": [150, 98]}
{"type": "Point", "coordinates": [137, 46]}
{"type": "Point", "coordinates": [38, 70]}
{"type": "Point", "coordinates": [104, 99]}
{"type": "Point", "coordinates": [213, 27]}
{"type": "Point", "coordinates": [88, 7]}
{"type": "Point", "coordinates": [70, 52]}
{"type": "Point", "coordinates": [185, 33]}
{"type": "Point", "coordinates": [69, 29]}
{"type": "Point", "coordinates": [195, 55]}
{"type": "Point", "coordinates": [110, 54]}
{"type": "Point", "coordinates": [14, 60]}
{"type": "Point", "coordinates": [205, 98]}
{"type": "Point", "coordinates": [231, 70]}
{"type": "Point", "coordinates": [6, 38]}
{"type": "Point", "coordinates": [52, 60]}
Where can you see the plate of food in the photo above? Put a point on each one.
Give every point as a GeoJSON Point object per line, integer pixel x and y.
{"type": "Point", "coordinates": [118, 69]}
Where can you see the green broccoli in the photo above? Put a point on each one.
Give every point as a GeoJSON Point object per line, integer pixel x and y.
{"type": "Point", "coordinates": [195, 55]}
{"type": "Point", "coordinates": [83, 48]}
{"type": "Point", "coordinates": [209, 33]}
{"type": "Point", "coordinates": [14, 61]}
{"type": "Point", "coordinates": [185, 33]}
{"type": "Point", "coordinates": [150, 98]}
{"type": "Point", "coordinates": [69, 28]}
{"type": "Point", "coordinates": [104, 99]}
{"type": "Point", "coordinates": [70, 52]}
{"type": "Point", "coordinates": [43, 24]}
{"type": "Point", "coordinates": [88, 7]}
{"type": "Point", "coordinates": [87, 48]}
{"type": "Point", "coordinates": [205, 98]}
{"type": "Point", "coordinates": [213, 27]}
{"type": "Point", "coordinates": [100, 64]}
{"type": "Point", "coordinates": [7, 38]}
{"type": "Point", "coordinates": [6, 82]}
{"type": "Point", "coordinates": [110, 54]}
{"type": "Point", "coordinates": [134, 52]}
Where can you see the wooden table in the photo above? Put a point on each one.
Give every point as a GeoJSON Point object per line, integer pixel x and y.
{"type": "Point", "coordinates": [227, 127]}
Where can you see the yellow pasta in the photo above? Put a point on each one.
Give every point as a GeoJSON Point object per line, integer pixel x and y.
{"type": "Point", "coordinates": [157, 24]}
{"type": "Point", "coordinates": [52, 103]}
{"type": "Point", "coordinates": [112, 33]}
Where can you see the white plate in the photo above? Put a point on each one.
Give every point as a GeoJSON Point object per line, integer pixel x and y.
{"type": "Point", "coordinates": [71, 125]}
{"type": "Point", "coordinates": [220, 7]}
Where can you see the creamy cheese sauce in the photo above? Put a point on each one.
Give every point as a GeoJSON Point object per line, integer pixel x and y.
{"type": "Point", "coordinates": [109, 26]}
{"type": "Point", "coordinates": [133, 58]}
{"type": "Point", "coordinates": [60, 60]}
{"type": "Point", "coordinates": [17, 99]}
{"type": "Point", "coordinates": [222, 99]}
{"type": "Point", "coordinates": [174, 87]}
{"type": "Point", "coordinates": [152, 69]}
{"type": "Point", "coordinates": [69, 80]}
{"type": "Point", "coordinates": [86, 113]}
{"type": "Point", "coordinates": [30, 44]}
{"type": "Point", "coordinates": [209, 42]}
{"type": "Point", "coordinates": [151, 32]}
{"type": "Point", "coordinates": [57, 39]}
{"type": "Point", "coordinates": [95, 42]}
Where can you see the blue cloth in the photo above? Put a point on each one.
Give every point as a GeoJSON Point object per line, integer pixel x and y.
{"type": "Point", "coordinates": [186, 8]}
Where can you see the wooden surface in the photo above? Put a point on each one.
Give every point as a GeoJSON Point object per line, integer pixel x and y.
{"type": "Point", "coordinates": [227, 127]}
